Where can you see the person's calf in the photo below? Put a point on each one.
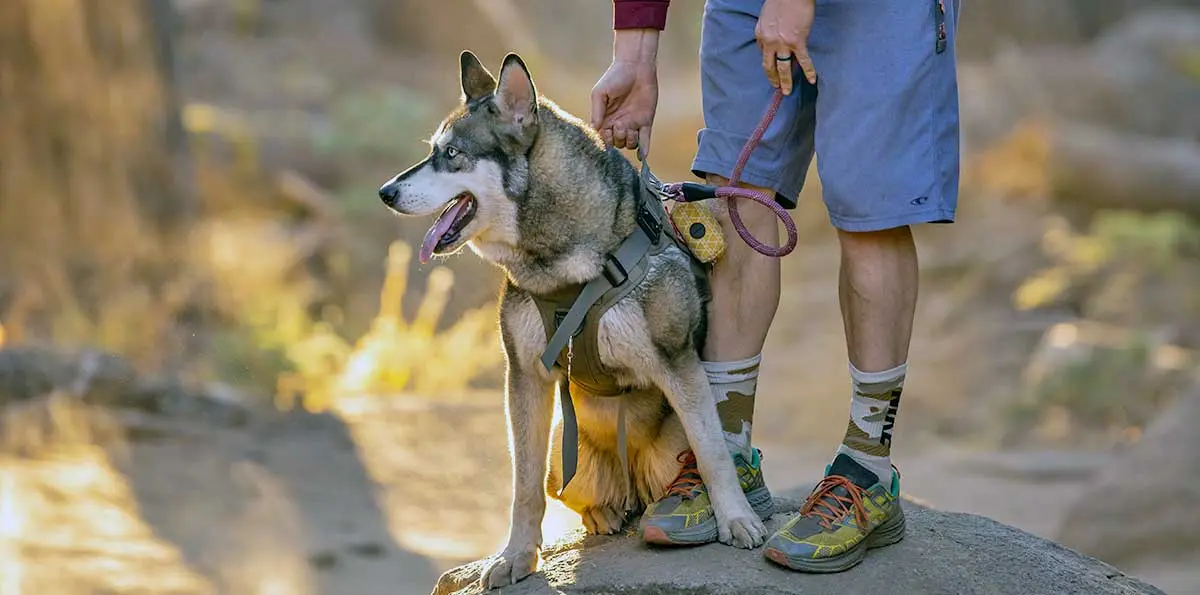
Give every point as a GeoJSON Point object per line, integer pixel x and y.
{"type": "Point", "coordinates": [878, 293]}
{"type": "Point", "coordinates": [745, 284]}
{"type": "Point", "coordinates": [745, 295]}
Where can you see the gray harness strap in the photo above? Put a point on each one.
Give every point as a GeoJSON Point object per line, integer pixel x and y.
{"type": "Point", "coordinates": [616, 273]}
{"type": "Point", "coordinates": [616, 276]}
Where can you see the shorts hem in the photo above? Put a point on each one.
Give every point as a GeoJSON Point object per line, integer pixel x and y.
{"type": "Point", "coordinates": [784, 193]}
{"type": "Point", "coordinates": [859, 224]}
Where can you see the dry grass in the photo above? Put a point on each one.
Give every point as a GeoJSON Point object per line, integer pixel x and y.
{"type": "Point", "coordinates": [396, 355]}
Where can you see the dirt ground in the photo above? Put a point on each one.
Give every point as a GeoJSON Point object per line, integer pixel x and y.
{"type": "Point", "coordinates": [377, 498]}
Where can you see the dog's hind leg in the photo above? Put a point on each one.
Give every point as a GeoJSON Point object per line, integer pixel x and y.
{"type": "Point", "coordinates": [597, 492]}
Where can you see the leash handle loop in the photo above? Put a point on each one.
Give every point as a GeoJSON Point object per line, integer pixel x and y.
{"type": "Point", "coordinates": [689, 192]}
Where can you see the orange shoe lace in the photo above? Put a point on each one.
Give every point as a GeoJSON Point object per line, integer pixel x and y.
{"type": "Point", "coordinates": [688, 480]}
{"type": "Point", "coordinates": [830, 507]}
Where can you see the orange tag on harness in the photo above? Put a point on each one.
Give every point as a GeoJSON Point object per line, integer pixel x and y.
{"type": "Point", "coordinates": [700, 230]}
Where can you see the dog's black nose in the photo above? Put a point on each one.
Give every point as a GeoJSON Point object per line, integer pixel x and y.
{"type": "Point", "coordinates": [388, 193]}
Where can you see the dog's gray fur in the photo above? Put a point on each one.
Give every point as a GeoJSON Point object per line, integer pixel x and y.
{"type": "Point", "coordinates": [551, 200]}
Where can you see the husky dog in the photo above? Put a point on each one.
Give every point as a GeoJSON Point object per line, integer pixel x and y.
{"type": "Point", "coordinates": [535, 191]}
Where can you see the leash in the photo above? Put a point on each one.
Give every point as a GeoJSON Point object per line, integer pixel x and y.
{"type": "Point", "coordinates": [692, 192]}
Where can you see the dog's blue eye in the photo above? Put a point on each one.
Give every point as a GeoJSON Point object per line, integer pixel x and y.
{"type": "Point", "coordinates": [451, 152]}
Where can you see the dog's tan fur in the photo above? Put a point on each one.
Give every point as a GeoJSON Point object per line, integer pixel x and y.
{"type": "Point", "coordinates": [670, 407]}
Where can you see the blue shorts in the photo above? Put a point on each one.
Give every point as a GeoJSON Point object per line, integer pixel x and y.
{"type": "Point", "coordinates": [882, 119]}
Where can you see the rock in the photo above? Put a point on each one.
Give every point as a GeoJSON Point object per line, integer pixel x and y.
{"type": "Point", "coordinates": [1142, 507]}
{"type": "Point", "coordinates": [942, 553]}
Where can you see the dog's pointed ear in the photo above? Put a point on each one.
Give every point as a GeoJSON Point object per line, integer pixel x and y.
{"type": "Point", "coordinates": [516, 94]}
{"type": "Point", "coordinates": [477, 81]}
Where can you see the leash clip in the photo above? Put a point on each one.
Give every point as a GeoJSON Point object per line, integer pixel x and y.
{"type": "Point", "coordinates": [653, 184]}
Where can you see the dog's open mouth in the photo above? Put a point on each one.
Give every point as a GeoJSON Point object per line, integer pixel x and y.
{"type": "Point", "coordinates": [447, 230]}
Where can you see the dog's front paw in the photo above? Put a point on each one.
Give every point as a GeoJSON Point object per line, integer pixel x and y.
{"type": "Point", "coordinates": [741, 527]}
{"type": "Point", "coordinates": [460, 577]}
{"type": "Point", "coordinates": [512, 565]}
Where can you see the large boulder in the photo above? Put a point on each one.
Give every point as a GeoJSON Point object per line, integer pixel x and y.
{"type": "Point", "coordinates": [942, 553]}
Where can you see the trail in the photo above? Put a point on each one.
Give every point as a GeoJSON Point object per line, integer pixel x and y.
{"type": "Point", "coordinates": [380, 497]}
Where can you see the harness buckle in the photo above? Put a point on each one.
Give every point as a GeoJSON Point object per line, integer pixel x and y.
{"type": "Point", "coordinates": [650, 224]}
{"type": "Point", "coordinates": [613, 271]}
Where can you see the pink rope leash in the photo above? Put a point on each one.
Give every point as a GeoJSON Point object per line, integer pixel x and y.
{"type": "Point", "coordinates": [732, 191]}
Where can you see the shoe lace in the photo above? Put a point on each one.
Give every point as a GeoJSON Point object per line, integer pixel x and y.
{"type": "Point", "coordinates": [688, 481]}
{"type": "Point", "coordinates": [829, 506]}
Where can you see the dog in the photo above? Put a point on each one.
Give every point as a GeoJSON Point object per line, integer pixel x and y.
{"type": "Point", "coordinates": [535, 191]}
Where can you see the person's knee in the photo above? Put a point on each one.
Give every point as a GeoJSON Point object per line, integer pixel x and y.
{"type": "Point", "coordinates": [857, 245]}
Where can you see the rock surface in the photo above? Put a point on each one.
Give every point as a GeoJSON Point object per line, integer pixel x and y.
{"type": "Point", "coordinates": [950, 553]}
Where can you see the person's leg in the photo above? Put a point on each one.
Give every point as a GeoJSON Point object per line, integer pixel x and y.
{"type": "Point", "coordinates": [877, 288]}
{"type": "Point", "coordinates": [744, 283]}
{"type": "Point", "coordinates": [887, 146]}
{"type": "Point", "coordinates": [745, 296]}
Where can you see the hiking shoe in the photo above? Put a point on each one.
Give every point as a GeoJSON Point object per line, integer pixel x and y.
{"type": "Point", "coordinates": [684, 515]}
{"type": "Point", "coordinates": [849, 512]}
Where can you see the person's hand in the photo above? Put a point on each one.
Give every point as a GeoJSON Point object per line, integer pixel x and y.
{"type": "Point", "coordinates": [626, 96]}
{"type": "Point", "coordinates": [782, 32]}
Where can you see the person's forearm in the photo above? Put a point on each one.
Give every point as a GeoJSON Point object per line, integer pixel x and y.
{"type": "Point", "coordinates": [635, 45]}
{"type": "Point", "coordinates": [636, 25]}
{"type": "Point", "coordinates": [640, 14]}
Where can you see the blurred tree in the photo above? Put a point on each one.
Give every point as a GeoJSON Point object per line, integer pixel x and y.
{"type": "Point", "coordinates": [92, 205]}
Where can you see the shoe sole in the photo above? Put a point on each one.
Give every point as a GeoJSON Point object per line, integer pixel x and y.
{"type": "Point", "coordinates": [890, 532]}
{"type": "Point", "coordinates": [706, 532]}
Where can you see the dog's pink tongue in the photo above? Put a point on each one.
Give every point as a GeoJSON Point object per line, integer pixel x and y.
{"type": "Point", "coordinates": [439, 229]}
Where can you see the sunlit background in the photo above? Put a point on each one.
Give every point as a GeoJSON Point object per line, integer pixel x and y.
{"type": "Point", "coordinates": [223, 371]}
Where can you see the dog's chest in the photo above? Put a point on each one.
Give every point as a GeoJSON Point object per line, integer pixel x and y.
{"type": "Point", "coordinates": [601, 355]}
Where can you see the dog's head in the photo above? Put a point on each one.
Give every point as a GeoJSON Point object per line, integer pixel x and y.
{"type": "Point", "coordinates": [477, 160]}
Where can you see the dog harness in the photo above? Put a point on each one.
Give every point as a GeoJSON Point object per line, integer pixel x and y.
{"type": "Point", "coordinates": [571, 317]}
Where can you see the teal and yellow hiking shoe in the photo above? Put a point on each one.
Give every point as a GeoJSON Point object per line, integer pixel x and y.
{"type": "Point", "coordinates": [847, 513]}
{"type": "Point", "coordinates": [684, 515]}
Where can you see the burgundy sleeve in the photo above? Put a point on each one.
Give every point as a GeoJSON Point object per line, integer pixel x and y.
{"type": "Point", "coordinates": [640, 14]}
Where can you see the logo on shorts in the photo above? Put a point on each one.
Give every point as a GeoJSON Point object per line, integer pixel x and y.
{"type": "Point", "coordinates": [918, 201]}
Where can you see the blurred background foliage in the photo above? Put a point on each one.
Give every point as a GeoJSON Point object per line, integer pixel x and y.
{"type": "Point", "coordinates": [191, 184]}
{"type": "Point", "coordinates": [202, 179]}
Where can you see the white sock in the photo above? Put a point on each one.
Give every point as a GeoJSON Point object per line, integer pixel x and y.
{"type": "Point", "coordinates": [733, 385]}
{"type": "Point", "coordinates": [874, 402]}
